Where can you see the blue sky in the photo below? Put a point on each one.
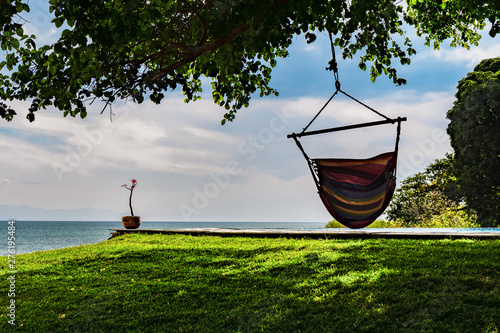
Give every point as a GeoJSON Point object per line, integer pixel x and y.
{"type": "Point", "coordinates": [189, 168]}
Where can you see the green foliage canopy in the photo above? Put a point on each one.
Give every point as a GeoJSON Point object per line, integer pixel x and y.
{"type": "Point", "coordinates": [474, 132]}
{"type": "Point", "coordinates": [430, 198]}
{"type": "Point", "coordinates": [116, 49]}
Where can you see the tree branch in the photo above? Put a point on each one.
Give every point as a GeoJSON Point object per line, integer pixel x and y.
{"type": "Point", "coordinates": [199, 51]}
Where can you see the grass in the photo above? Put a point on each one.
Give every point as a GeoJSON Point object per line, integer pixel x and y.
{"type": "Point", "coordinates": [176, 283]}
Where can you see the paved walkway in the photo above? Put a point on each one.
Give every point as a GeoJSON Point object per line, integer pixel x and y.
{"type": "Point", "coordinates": [316, 233]}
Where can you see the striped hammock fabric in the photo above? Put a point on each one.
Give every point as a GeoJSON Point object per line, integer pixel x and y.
{"type": "Point", "coordinates": [356, 191]}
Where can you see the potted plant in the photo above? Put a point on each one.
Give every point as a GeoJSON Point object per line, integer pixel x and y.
{"type": "Point", "coordinates": [132, 221]}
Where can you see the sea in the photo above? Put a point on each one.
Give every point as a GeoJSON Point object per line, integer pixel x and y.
{"type": "Point", "coordinates": [31, 236]}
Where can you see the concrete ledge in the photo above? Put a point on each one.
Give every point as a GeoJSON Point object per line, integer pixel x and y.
{"type": "Point", "coordinates": [316, 233]}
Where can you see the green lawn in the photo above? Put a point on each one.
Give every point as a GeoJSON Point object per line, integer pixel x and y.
{"type": "Point", "coordinates": [176, 283]}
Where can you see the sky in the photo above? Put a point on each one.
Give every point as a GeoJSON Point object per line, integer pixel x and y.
{"type": "Point", "coordinates": [190, 168]}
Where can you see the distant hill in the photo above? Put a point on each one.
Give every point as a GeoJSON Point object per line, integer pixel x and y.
{"type": "Point", "coordinates": [27, 213]}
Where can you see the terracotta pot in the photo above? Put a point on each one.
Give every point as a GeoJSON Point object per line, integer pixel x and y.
{"type": "Point", "coordinates": [131, 222]}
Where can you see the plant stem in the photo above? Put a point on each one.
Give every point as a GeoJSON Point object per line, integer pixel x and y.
{"type": "Point", "coordinates": [130, 202]}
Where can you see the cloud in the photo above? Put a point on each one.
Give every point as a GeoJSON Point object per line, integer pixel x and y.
{"type": "Point", "coordinates": [24, 155]}
{"type": "Point", "coordinates": [38, 22]}
{"type": "Point", "coordinates": [177, 140]}
{"type": "Point", "coordinates": [247, 170]}
{"type": "Point", "coordinates": [488, 48]}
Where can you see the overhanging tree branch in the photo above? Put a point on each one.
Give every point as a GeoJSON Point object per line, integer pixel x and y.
{"type": "Point", "coordinates": [197, 52]}
{"type": "Point", "coordinates": [117, 49]}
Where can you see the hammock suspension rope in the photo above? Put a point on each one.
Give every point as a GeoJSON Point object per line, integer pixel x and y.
{"type": "Point", "coordinates": [354, 191]}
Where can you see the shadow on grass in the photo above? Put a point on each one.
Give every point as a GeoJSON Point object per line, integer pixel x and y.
{"type": "Point", "coordinates": [286, 286]}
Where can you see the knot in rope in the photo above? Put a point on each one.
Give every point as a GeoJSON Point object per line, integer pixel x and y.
{"type": "Point", "coordinates": [333, 64]}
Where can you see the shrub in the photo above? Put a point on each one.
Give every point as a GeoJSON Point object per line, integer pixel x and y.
{"type": "Point", "coordinates": [450, 218]}
{"type": "Point", "coordinates": [375, 224]}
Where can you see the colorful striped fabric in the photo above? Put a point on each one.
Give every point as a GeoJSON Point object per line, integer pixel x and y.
{"type": "Point", "coordinates": [356, 191]}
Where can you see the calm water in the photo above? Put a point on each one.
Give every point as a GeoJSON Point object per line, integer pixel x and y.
{"type": "Point", "coordinates": [44, 235]}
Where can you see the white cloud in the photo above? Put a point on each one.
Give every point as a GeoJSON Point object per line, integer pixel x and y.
{"type": "Point", "coordinates": [176, 149]}
{"type": "Point", "coordinates": [183, 153]}
{"type": "Point", "coordinates": [488, 48]}
{"type": "Point", "coordinates": [38, 22]}
{"type": "Point", "coordinates": [23, 155]}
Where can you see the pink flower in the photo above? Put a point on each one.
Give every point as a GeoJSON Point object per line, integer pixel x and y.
{"type": "Point", "coordinates": [131, 189]}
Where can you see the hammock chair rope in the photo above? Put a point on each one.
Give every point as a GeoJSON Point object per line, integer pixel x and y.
{"type": "Point", "coordinates": [354, 191]}
{"type": "Point", "coordinates": [334, 67]}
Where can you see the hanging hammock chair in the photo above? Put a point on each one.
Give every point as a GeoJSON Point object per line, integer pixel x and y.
{"type": "Point", "coordinates": [354, 191]}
